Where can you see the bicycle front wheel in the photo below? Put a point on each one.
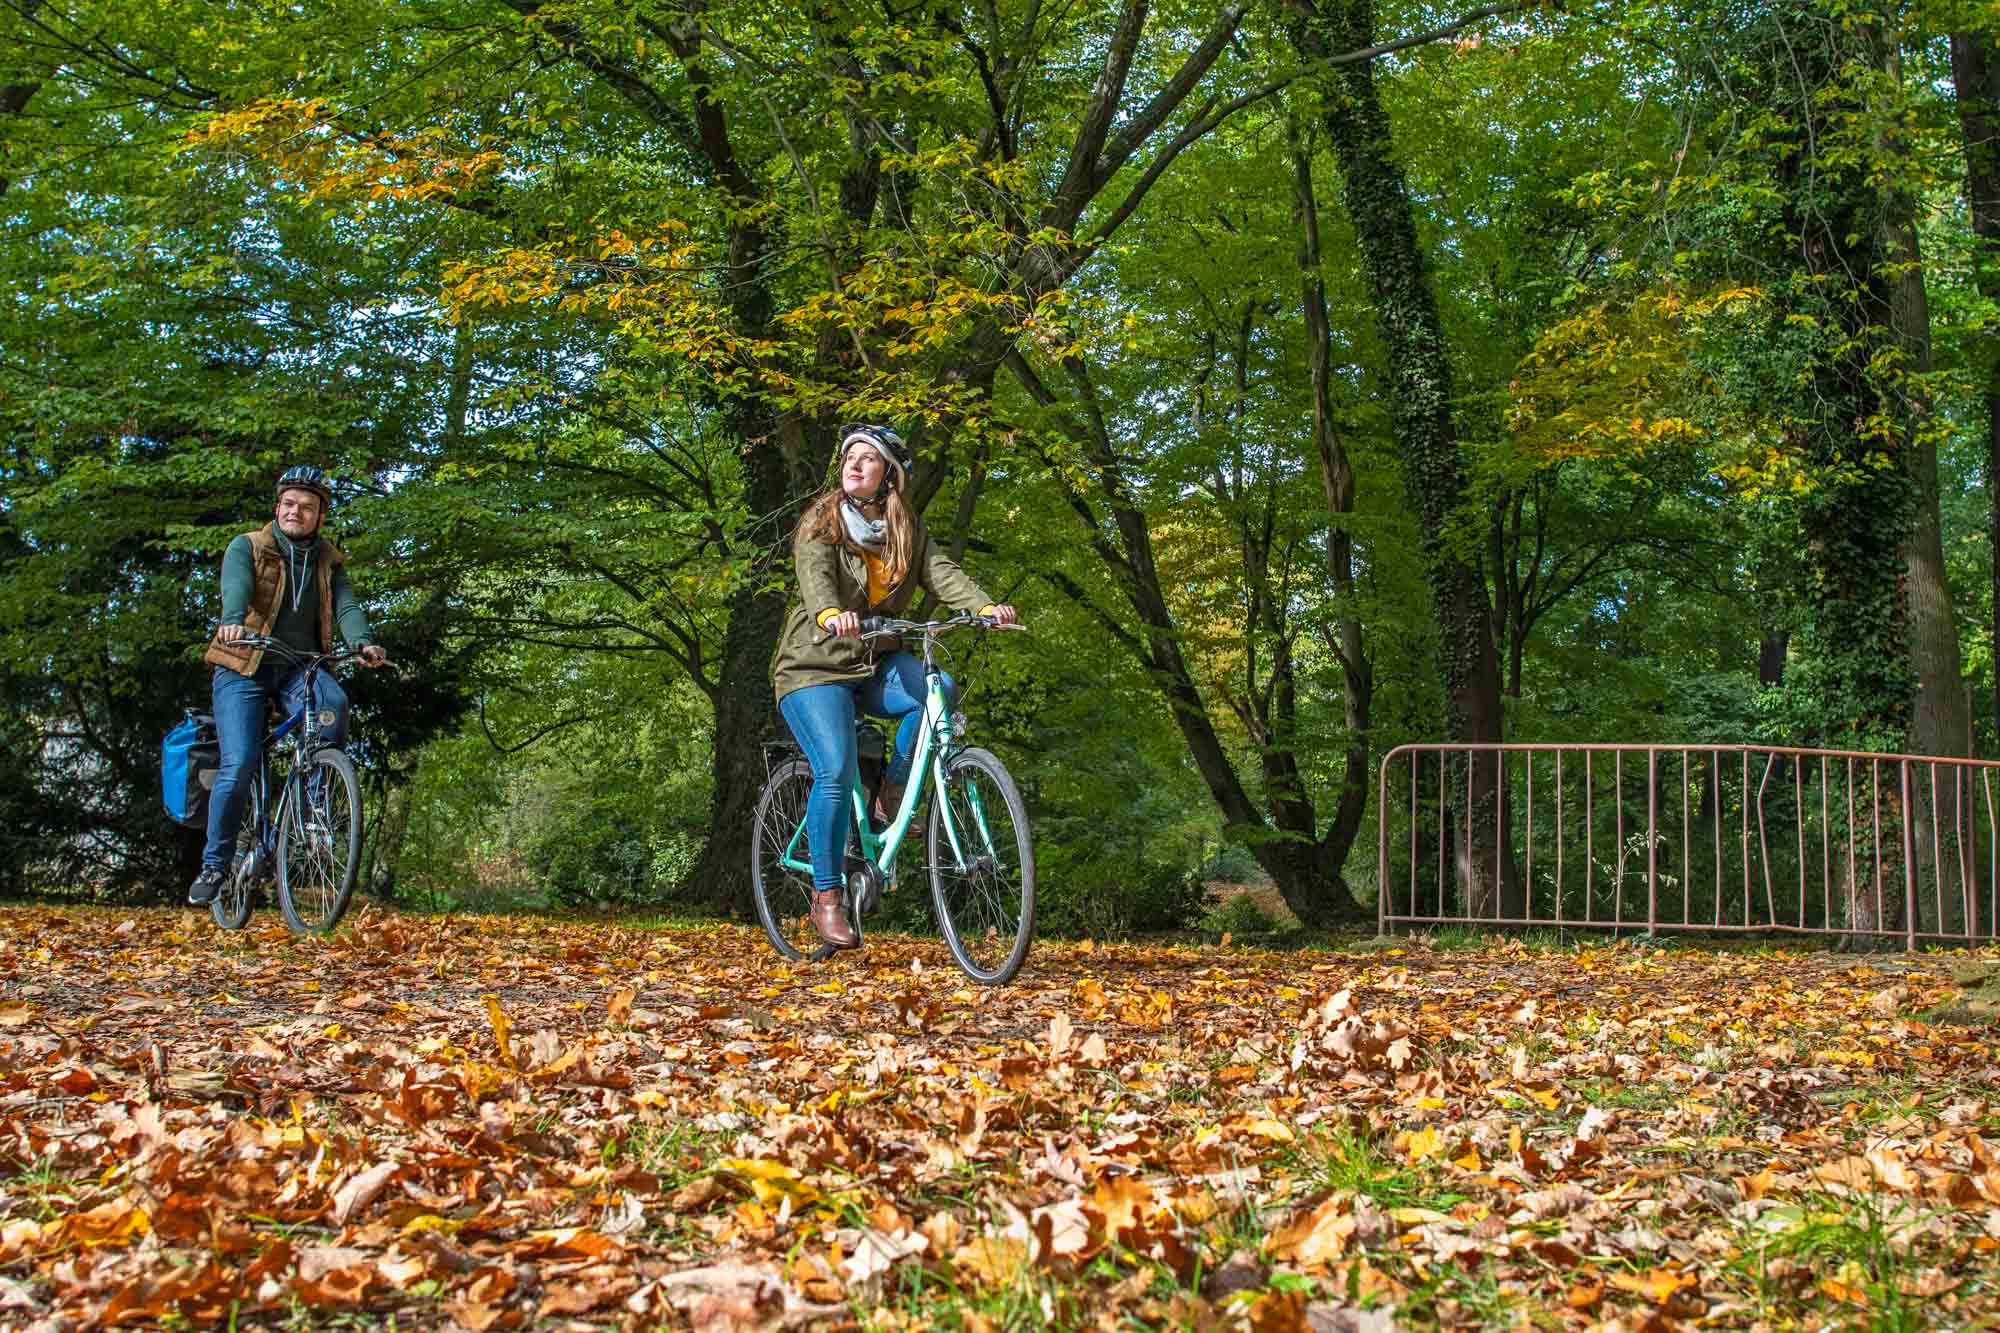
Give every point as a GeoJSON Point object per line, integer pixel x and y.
{"type": "Point", "coordinates": [231, 905]}
{"type": "Point", "coordinates": [319, 843]}
{"type": "Point", "coordinates": [982, 867]}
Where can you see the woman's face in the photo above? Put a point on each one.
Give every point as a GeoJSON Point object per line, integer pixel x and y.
{"type": "Point", "coordinates": [861, 471]}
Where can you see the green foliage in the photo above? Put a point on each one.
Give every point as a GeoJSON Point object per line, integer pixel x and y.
{"type": "Point", "coordinates": [1238, 915]}
{"type": "Point", "coordinates": [577, 371]}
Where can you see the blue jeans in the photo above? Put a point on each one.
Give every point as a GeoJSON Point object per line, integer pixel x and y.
{"type": "Point", "coordinates": [238, 702]}
{"type": "Point", "coordinates": [822, 721]}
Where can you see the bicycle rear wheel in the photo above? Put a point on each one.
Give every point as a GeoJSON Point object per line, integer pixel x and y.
{"type": "Point", "coordinates": [319, 843]}
{"type": "Point", "coordinates": [231, 905]}
{"type": "Point", "coordinates": [783, 894]}
{"type": "Point", "coordinates": [982, 867]}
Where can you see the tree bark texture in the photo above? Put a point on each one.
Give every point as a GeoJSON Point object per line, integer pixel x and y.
{"type": "Point", "coordinates": [1975, 71]}
{"type": "Point", "coordinates": [1420, 396]}
{"type": "Point", "coordinates": [1854, 428]}
{"type": "Point", "coordinates": [1346, 641]}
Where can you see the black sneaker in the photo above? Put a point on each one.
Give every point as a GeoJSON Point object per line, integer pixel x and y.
{"type": "Point", "coordinates": [206, 885]}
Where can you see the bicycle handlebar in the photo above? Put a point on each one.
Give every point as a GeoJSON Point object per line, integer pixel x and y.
{"type": "Point", "coordinates": [269, 644]}
{"type": "Point", "coordinates": [878, 627]}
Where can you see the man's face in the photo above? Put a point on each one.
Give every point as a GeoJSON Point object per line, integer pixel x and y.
{"type": "Point", "coordinates": [297, 513]}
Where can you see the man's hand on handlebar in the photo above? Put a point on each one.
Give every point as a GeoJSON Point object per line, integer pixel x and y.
{"type": "Point", "coordinates": [368, 654]}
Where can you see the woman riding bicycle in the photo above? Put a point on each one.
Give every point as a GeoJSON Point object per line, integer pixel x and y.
{"type": "Point", "coordinates": [859, 551]}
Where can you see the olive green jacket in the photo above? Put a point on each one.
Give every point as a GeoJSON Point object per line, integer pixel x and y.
{"type": "Point", "coordinates": [837, 576]}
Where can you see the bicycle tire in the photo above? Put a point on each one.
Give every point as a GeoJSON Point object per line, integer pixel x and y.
{"type": "Point", "coordinates": [319, 844]}
{"type": "Point", "coordinates": [231, 905]}
{"type": "Point", "coordinates": [985, 910]}
{"type": "Point", "coordinates": [783, 896]}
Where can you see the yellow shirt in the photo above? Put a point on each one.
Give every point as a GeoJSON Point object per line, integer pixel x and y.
{"type": "Point", "coordinates": [878, 588]}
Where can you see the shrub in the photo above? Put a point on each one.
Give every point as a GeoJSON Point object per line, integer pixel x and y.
{"type": "Point", "coordinates": [1082, 891]}
{"type": "Point", "coordinates": [1232, 863]}
{"type": "Point", "coordinates": [1239, 914]}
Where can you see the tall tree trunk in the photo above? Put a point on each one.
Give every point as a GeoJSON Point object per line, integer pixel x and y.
{"type": "Point", "coordinates": [1975, 71]}
{"type": "Point", "coordinates": [1336, 473]}
{"type": "Point", "coordinates": [1420, 393]}
{"type": "Point", "coordinates": [1816, 74]}
{"type": "Point", "coordinates": [746, 711]}
{"type": "Point", "coordinates": [1940, 715]}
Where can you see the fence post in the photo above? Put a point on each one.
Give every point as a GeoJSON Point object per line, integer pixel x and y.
{"type": "Point", "coordinates": [1909, 868]}
{"type": "Point", "coordinates": [1382, 846]}
{"type": "Point", "coordinates": [1652, 841]}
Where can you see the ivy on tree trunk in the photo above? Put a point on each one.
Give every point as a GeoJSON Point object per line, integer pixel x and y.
{"type": "Point", "coordinates": [1420, 397]}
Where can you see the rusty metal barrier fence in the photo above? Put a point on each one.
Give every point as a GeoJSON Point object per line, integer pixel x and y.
{"type": "Point", "coordinates": [1689, 838]}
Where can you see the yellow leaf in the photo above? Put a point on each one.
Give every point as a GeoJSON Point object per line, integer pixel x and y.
{"type": "Point", "coordinates": [1426, 1142]}
{"type": "Point", "coordinates": [772, 1181]}
{"type": "Point", "coordinates": [503, 1029]}
{"type": "Point", "coordinates": [1270, 1130]}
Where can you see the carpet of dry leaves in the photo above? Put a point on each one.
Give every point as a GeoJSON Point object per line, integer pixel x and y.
{"type": "Point", "coordinates": [521, 1123]}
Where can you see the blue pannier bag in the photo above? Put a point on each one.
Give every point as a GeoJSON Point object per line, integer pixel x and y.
{"type": "Point", "coordinates": [189, 757]}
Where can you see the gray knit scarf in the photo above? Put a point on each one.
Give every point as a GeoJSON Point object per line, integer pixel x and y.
{"type": "Point", "coordinates": [872, 533]}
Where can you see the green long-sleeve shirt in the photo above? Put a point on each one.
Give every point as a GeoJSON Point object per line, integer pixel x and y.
{"type": "Point", "coordinates": [297, 622]}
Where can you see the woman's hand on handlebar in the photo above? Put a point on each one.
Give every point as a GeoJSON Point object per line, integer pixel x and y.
{"type": "Point", "coordinates": [846, 625]}
{"type": "Point", "coordinates": [1003, 614]}
{"type": "Point", "coordinates": [373, 655]}
{"type": "Point", "coordinates": [231, 633]}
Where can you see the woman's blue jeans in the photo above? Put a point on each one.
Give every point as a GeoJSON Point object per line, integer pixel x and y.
{"type": "Point", "coordinates": [822, 721]}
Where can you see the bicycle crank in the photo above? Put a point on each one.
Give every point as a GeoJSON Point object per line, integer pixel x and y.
{"type": "Point", "coordinates": [864, 888]}
{"type": "Point", "coordinates": [249, 869]}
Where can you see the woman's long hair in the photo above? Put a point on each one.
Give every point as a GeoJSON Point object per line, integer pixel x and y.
{"type": "Point", "coordinates": [822, 523]}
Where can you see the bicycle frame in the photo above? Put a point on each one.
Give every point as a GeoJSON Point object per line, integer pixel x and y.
{"type": "Point", "coordinates": [933, 744]}
{"type": "Point", "coordinates": [301, 728]}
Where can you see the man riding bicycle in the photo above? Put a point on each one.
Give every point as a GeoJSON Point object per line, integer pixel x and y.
{"type": "Point", "coordinates": [285, 581]}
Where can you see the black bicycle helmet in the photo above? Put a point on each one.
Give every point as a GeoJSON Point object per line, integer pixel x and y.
{"type": "Point", "coordinates": [306, 477]}
{"type": "Point", "coordinates": [886, 443]}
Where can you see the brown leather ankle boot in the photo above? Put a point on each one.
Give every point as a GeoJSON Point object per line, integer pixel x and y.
{"type": "Point", "coordinates": [830, 921]}
{"type": "Point", "coordinates": [888, 800]}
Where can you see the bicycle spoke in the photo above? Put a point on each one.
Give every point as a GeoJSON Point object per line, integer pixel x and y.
{"type": "Point", "coordinates": [320, 845]}
{"type": "Point", "coordinates": [982, 870]}
{"type": "Point", "coordinates": [783, 894]}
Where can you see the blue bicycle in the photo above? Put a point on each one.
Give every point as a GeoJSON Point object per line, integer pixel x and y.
{"type": "Point", "coordinates": [303, 820]}
{"type": "Point", "coordinates": [982, 863]}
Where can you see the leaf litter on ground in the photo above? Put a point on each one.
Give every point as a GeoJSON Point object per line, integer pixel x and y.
{"type": "Point", "coordinates": [514, 1123]}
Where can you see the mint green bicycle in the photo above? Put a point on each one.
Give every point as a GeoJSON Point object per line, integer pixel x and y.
{"type": "Point", "coordinates": [976, 844]}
